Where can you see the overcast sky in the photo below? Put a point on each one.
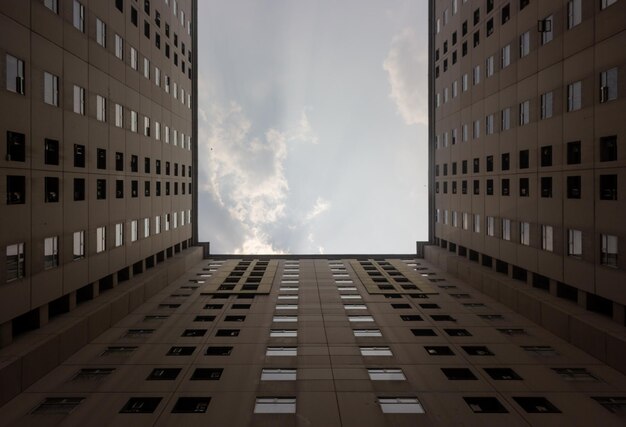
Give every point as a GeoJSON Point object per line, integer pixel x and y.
{"type": "Point", "coordinates": [313, 125]}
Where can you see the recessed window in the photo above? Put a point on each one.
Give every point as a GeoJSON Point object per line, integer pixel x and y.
{"type": "Point", "coordinates": [218, 351]}
{"type": "Point", "coordinates": [15, 262]}
{"type": "Point", "coordinates": [180, 351]}
{"type": "Point", "coordinates": [15, 81]}
{"type": "Point", "coordinates": [360, 318]}
{"type": "Point", "coordinates": [442, 318]}
{"type": "Point", "coordinates": [439, 350]}
{"type": "Point", "coordinates": [275, 405]}
{"type": "Point", "coordinates": [118, 350]}
{"type": "Point", "coordinates": [141, 405]}
{"type": "Point", "coordinates": [608, 148]}
{"type": "Point", "coordinates": [575, 374]}
{"type": "Point", "coordinates": [204, 318]}
{"type": "Point", "coordinates": [78, 16]}
{"type": "Point", "coordinates": [193, 333]}
{"type": "Point", "coordinates": [536, 405]}
{"type": "Point", "coordinates": [93, 374]}
{"type": "Point", "coordinates": [386, 374]}
{"type": "Point", "coordinates": [502, 374]}
{"type": "Point", "coordinates": [485, 405]}
{"type": "Point", "coordinates": [608, 187]}
{"type": "Point", "coordinates": [574, 13]}
{"type": "Point", "coordinates": [608, 85]}
{"type": "Point", "coordinates": [78, 245]}
{"type": "Point", "coordinates": [283, 333]}
{"type": "Point", "coordinates": [50, 89]}
{"type": "Point", "coordinates": [51, 252]}
{"type": "Point", "coordinates": [51, 151]}
{"type": "Point", "coordinates": [191, 405]}
{"type": "Point", "coordinates": [163, 374]}
{"type": "Point", "coordinates": [459, 374]}
{"type": "Point", "coordinates": [614, 404]}
{"type": "Point", "coordinates": [285, 319]}
{"type": "Point", "coordinates": [227, 333]}
{"type": "Point", "coordinates": [268, 374]}
{"type": "Point", "coordinates": [16, 147]}
{"type": "Point", "coordinates": [375, 351]}
{"type": "Point", "coordinates": [411, 317]}
{"type": "Point", "coordinates": [547, 239]}
{"type": "Point", "coordinates": [367, 333]}
{"type": "Point", "coordinates": [479, 350]}
{"type": "Point", "coordinates": [574, 243]}
{"type": "Point", "coordinates": [574, 96]}
{"type": "Point", "coordinates": [58, 405]}
{"type": "Point", "coordinates": [400, 405]}
{"type": "Point", "coordinates": [458, 332]}
{"type": "Point", "coordinates": [207, 374]}
{"type": "Point", "coordinates": [608, 250]}
{"type": "Point", "coordinates": [540, 350]}
{"type": "Point", "coordinates": [281, 351]}
{"type": "Point", "coordinates": [51, 189]}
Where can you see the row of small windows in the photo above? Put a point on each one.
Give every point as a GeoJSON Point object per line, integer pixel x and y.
{"type": "Point", "coordinates": [15, 254]}
{"type": "Point", "coordinates": [544, 27]}
{"type": "Point", "coordinates": [16, 152]}
{"type": "Point", "coordinates": [78, 21]}
{"type": "Point", "coordinates": [608, 243]}
{"type": "Point", "coordinates": [15, 82]}
{"type": "Point", "coordinates": [608, 83]}
{"type": "Point", "coordinates": [607, 147]}
{"type": "Point", "coordinates": [16, 189]}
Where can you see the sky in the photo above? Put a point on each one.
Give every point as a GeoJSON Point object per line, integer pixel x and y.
{"type": "Point", "coordinates": [312, 126]}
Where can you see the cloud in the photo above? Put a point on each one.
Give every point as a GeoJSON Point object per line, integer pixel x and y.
{"type": "Point", "coordinates": [320, 207]}
{"type": "Point", "coordinates": [244, 173]}
{"type": "Point", "coordinates": [409, 88]}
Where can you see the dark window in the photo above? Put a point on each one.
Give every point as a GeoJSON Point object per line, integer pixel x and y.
{"type": "Point", "coordinates": [141, 405]}
{"type": "Point", "coordinates": [79, 189]}
{"type": "Point", "coordinates": [16, 190]}
{"type": "Point", "coordinates": [442, 318]}
{"type": "Point", "coordinates": [146, 189]}
{"type": "Point", "coordinates": [146, 29]}
{"type": "Point", "coordinates": [157, 18]}
{"type": "Point", "coordinates": [134, 188]}
{"type": "Point", "coordinates": [476, 16]}
{"type": "Point", "coordinates": [51, 151]}
{"type": "Point", "coordinates": [218, 351]}
{"type": "Point", "coordinates": [464, 187]}
{"type": "Point", "coordinates": [227, 333]}
{"type": "Point", "coordinates": [490, 187]}
{"type": "Point", "coordinates": [477, 350]}
{"type": "Point", "coordinates": [523, 4]}
{"type": "Point", "coordinates": [457, 374]}
{"type": "Point", "coordinates": [204, 318]}
{"type": "Point", "coordinates": [423, 332]}
{"type": "Point", "coordinates": [464, 167]}
{"type": "Point", "coordinates": [119, 189]}
{"type": "Point", "coordinates": [167, 168]}
{"type": "Point", "coordinates": [146, 165]}
{"type": "Point", "coordinates": [476, 165]}
{"type": "Point", "coordinates": [207, 374]}
{"type": "Point", "coordinates": [101, 189]}
{"type": "Point", "coordinates": [430, 306]}
{"type": "Point", "coordinates": [411, 317]}
{"type": "Point", "coordinates": [505, 186]}
{"type": "Point", "coordinates": [502, 374]}
{"type": "Point", "coordinates": [476, 38]}
{"type": "Point", "coordinates": [146, 6]}
{"type": "Point", "coordinates": [464, 27]}
{"type": "Point", "coordinates": [180, 351]}
{"type": "Point", "coordinates": [167, 188]}
{"type": "Point", "coordinates": [158, 188]}
{"type": "Point", "coordinates": [16, 147]}
{"type": "Point", "coordinates": [574, 187]}
{"type": "Point", "coordinates": [608, 148]}
{"type": "Point", "coordinates": [524, 187]}
{"type": "Point", "coordinates": [439, 350]}
{"type": "Point", "coordinates": [175, 169]}
{"type": "Point", "coordinates": [167, 50]}
{"type": "Point", "coordinates": [458, 332]}
{"type": "Point", "coordinates": [476, 186]}
{"type": "Point", "coordinates": [101, 158]}
{"type": "Point", "coordinates": [193, 333]}
{"type": "Point", "coordinates": [234, 318]}
{"type": "Point", "coordinates": [120, 5]}
{"type": "Point", "coordinates": [506, 161]}
{"type": "Point", "coordinates": [489, 5]}
{"type": "Point", "coordinates": [134, 163]}
{"type": "Point", "coordinates": [608, 187]}
{"type": "Point", "coordinates": [489, 27]}
{"type": "Point", "coordinates": [546, 156]}
{"type": "Point", "coordinates": [163, 374]}
{"type": "Point", "coordinates": [158, 167]}
{"type": "Point", "coordinates": [489, 163]}
{"type": "Point", "coordinates": [191, 405]}
{"type": "Point", "coordinates": [51, 189]}
{"type": "Point", "coordinates": [506, 14]}
{"type": "Point", "coordinates": [79, 156]}
{"type": "Point", "coordinates": [573, 153]}
{"type": "Point", "coordinates": [536, 405]}
{"type": "Point", "coordinates": [119, 161]}
{"type": "Point", "coordinates": [546, 186]}
{"type": "Point", "coordinates": [524, 159]}
{"type": "Point", "coordinates": [614, 404]}
{"type": "Point", "coordinates": [133, 16]}
{"type": "Point", "coordinates": [485, 405]}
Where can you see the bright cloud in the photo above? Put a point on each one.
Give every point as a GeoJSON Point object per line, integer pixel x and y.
{"type": "Point", "coordinates": [409, 88]}
{"type": "Point", "coordinates": [320, 207]}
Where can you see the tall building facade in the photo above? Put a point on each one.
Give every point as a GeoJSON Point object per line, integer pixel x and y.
{"type": "Point", "coordinates": [527, 155]}
{"type": "Point", "coordinates": [97, 110]}
{"type": "Point", "coordinates": [321, 341]}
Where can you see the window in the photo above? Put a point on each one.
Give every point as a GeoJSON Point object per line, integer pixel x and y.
{"type": "Point", "coordinates": [119, 116]}
{"type": "Point", "coordinates": [51, 151]}
{"type": "Point", "coordinates": [400, 405]}
{"type": "Point", "coordinates": [546, 186]}
{"type": "Point", "coordinates": [524, 232]}
{"type": "Point", "coordinates": [506, 14]}
{"type": "Point", "coordinates": [79, 100]}
{"type": "Point", "coordinates": [608, 250]}
{"type": "Point", "coordinates": [574, 187]}
{"type": "Point", "coordinates": [485, 405]}
{"type": "Point", "coordinates": [79, 156]}
{"type": "Point", "coordinates": [506, 185]}
{"type": "Point", "coordinates": [101, 33]}
{"type": "Point", "coordinates": [506, 229]}
{"type": "Point", "coordinates": [524, 113]}
{"type": "Point", "coordinates": [79, 189]}
{"type": "Point", "coordinates": [275, 405]}
{"type": "Point", "coordinates": [100, 239]}
{"type": "Point", "coordinates": [506, 119]}
{"type": "Point", "coordinates": [524, 44]}
{"type": "Point", "coordinates": [476, 129]}
{"type": "Point", "coordinates": [53, 5]}
{"type": "Point", "coordinates": [15, 75]}
{"type": "Point", "coordinates": [281, 351]}
{"type": "Point", "coordinates": [79, 16]}
{"type": "Point", "coordinates": [608, 148]}
{"type": "Point", "coordinates": [614, 404]}
{"type": "Point", "coordinates": [134, 119]}
{"type": "Point", "coordinates": [101, 158]}
{"type": "Point", "coordinates": [78, 245]}
{"type": "Point", "coordinates": [119, 47]}
{"type": "Point", "coordinates": [546, 105]}
{"type": "Point", "coordinates": [575, 374]}
{"type": "Point", "coordinates": [207, 374]}
{"type": "Point", "coordinates": [163, 374]}
{"type": "Point", "coordinates": [50, 89]}
{"type": "Point", "coordinates": [15, 262]}
{"type": "Point", "coordinates": [547, 238]}
{"type": "Point", "coordinates": [16, 190]}
{"type": "Point", "coordinates": [464, 82]}
{"type": "Point", "coordinates": [367, 333]}
{"type": "Point", "coordinates": [119, 234]}
{"type": "Point", "coordinates": [134, 59]}
{"type": "Point", "coordinates": [574, 243]}
{"type": "Point", "coordinates": [524, 187]}
{"type": "Point", "coordinates": [101, 108]}
{"type": "Point", "coordinates": [574, 13]}
{"type": "Point", "coordinates": [16, 147]}
{"type": "Point", "coordinates": [506, 56]}
{"type": "Point", "coordinates": [181, 351]}
{"type": "Point", "coordinates": [608, 85]}
{"type": "Point", "coordinates": [58, 405]}
{"type": "Point", "coordinates": [375, 351]}
{"type": "Point", "coordinates": [134, 233]}
{"type": "Point", "coordinates": [278, 375]}
{"type": "Point", "coordinates": [157, 224]}
{"type": "Point", "coordinates": [534, 405]}
{"type": "Point", "coordinates": [283, 333]}
{"type": "Point", "coordinates": [489, 128]}
{"type": "Point", "coordinates": [574, 96]}
{"type": "Point", "coordinates": [285, 319]}
{"type": "Point", "coordinates": [476, 75]}
{"type": "Point", "coordinates": [573, 153]}
{"type": "Point", "coordinates": [51, 189]}
{"type": "Point", "coordinates": [140, 405]}
{"type": "Point", "coordinates": [546, 30]}
{"type": "Point", "coordinates": [491, 226]}
{"type": "Point", "coordinates": [608, 187]}
{"type": "Point", "coordinates": [489, 66]}
{"type": "Point", "coordinates": [546, 156]}
{"type": "Point", "coordinates": [476, 223]}
{"type": "Point", "coordinates": [191, 405]}
{"type": "Point", "coordinates": [439, 351]}
{"type": "Point", "coordinates": [459, 374]}
{"type": "Point", "coordinates": [218, 351]}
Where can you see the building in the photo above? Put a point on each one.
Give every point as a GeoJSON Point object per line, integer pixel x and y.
{"type": "Point", "coordinates": [97, 109]}
{"type": "Point", "coordinates": [527, 155]}
{"type": "Point", "coordinates": [314, 340]}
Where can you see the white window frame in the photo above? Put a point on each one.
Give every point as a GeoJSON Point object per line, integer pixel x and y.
{"type": "Point", "coordinates": [119, 234]}
{"type": "Point", "coordinates": [50, 89]}
{"type": "Point", "coordinates": [275, 405]}
{"type": "Point", "coordinates": [51, 252]}
{"type": "Point", "coordinates": [78, 245]}
{"type": "Point", "coordinates": [79, 100]}
{"type": "Point", "coordinates": [524, 233]}
{"type": "Point", "coordinates": [608, 85]}
{"type": "Point", "coordinates": [278, 374]}
{"type": "Point", "coordinates": [574, 243]}
{"type": "Point", "coordinates": [119, 47]}
{"type": "Point", "coordinates": [574, 13]}
{"type": "Point", "coordinates": [101, 108]}
{"type": "Point", "coordinates": [547, 238]}
{"type": "Point", "coordinates": [119, 116]}
{"type": "Point", "coordinates": [574, 96]}
{"type": "Point", "coordinates": [506, 56]}
{"type": "Point", "coordinates": [524, 44]}
{"type": "Point", "coordinates": [386, 374]}
{"type": "Point", "coordinates": [101, 33]}
{"type": "Point", "coordinates": [15, 76]}
{"type": "Point", "coordinates": [546, 105]}
{"type": "Point", "coordinates": [506, 229]}
{"type": "Point", "coordinates": [15, 257]}
{"type": "Point", "coordinates": [101, 239]}
{"type": "Point", "coordinates": [78, 16]}
{"type": "Point", "coordinates": [134, 232]}
{"type": "Point", "coordinates": [524, 113]}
